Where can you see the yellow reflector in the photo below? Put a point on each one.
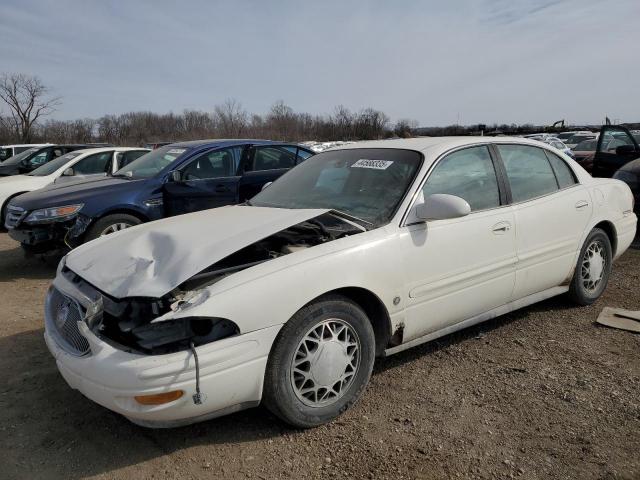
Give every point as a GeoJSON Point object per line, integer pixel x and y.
{"type": "Point", "coordinates": [159, 398]}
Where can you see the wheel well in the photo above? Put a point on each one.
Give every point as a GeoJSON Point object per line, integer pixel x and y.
{"type": "Point", "coordinates": [125, 211]}
{"type": "Point", "coordinates": [375, 310]}
{"type": "Point", "coordinates": [610, 230]}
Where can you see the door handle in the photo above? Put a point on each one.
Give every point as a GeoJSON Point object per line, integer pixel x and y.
{"type": "Point", "coordinates": [221, 189]}
{"type": "Point", "coordinates": [501, 228]}
{"type": "Point", "coordinates": [581, 204]}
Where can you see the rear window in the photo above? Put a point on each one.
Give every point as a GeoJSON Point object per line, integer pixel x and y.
{"type": "Point", "coordinates": [529, 172]}
{"type": "Point", "coordinates": [5, 153]}
{"type": "Point", "coordinates": [564, 174]}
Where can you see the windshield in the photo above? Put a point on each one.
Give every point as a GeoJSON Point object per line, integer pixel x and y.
{"type": "Point", "coordinates": [53, 165]}
{"type": "Point", "coordinates": [151, 163]}
{"type": "Point", "coordinates": [365, 183]}
{"type": "Point", "coordinates": [16, 159]}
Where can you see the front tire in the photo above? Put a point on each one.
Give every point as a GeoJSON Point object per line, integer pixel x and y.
{"type": "Point", "coordinates": [593, 269]}
{"type": "Point", "coordinates": [111, 224]}
{"type": "Point", "coordinates": [320, 363]}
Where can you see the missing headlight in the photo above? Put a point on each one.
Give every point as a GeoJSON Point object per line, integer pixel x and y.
{"type": "Point", "coordinates": [175, 335]}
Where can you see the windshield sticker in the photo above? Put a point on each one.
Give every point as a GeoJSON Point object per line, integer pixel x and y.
{"type": "Point", "coordinates": [375, 164]}
{"type": "Point", "coordinates": [176, 151]}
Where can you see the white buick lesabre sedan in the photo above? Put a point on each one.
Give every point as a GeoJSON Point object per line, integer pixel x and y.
{"type": "Point", "coordinates": [358, 252]}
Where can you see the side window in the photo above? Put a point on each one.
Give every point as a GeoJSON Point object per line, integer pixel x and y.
{"type": "Point", "coordinates": [563, 172]}
{"type": "Point", "coordinates": [272, 158]}
{"type": "Point", "coordinates": [528, 170]}
{"type": "Point", "coordinates": [92, 164]}
{"type": "Point", "coordinates": [468, 174]}
{"type": "Point", "coordinates": [125, 158]}
{"type": "Point", "coordinates": [214, 164]}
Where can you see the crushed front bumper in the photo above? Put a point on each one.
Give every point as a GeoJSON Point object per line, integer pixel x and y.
{"type": "Point", "coordinates": [231, 370]}
{"type": "Point", "coordinates": [231, 377]}
{"type": "Point", "coordinates": [50, 235]}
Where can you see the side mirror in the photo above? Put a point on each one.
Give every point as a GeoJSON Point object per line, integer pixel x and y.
{"type": "Point", "coordinates": [625, 149]}
{"type": "Point", "coordinates": [176, 176]}
{"type": "Point", "coordinates": [69, 172]}
{"type": "Point", "coordinates": [266, 185]}
{"type": "Point", "coordinates": [441, 206]}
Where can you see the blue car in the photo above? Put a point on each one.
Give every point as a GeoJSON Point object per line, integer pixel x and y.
{"type": "Point", "coordinates": [171, 180]}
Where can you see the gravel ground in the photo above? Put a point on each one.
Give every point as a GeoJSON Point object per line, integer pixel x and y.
{"type": "Point", "coordinates": [540, 393]}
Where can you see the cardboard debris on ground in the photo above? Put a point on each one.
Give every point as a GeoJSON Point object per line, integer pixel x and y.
{"type": "Point", "coordinates": [619, 318]}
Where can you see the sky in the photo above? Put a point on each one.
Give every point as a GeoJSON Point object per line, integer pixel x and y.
{"type": "Point", "coordinates": [438, 62]}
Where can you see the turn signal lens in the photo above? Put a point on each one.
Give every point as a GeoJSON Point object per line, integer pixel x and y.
{"type": "Point", "coordinates": [159, 398]}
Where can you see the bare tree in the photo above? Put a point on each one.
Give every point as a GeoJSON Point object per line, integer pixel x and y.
{"type": "Point", "coordinates": [26, 97]}
{"type": "Point", "coordinates": [231, 119]}
{"type": "Point", "coordinates": [405, 127]}
{"type": "Point", "coordinates": [282, 121]}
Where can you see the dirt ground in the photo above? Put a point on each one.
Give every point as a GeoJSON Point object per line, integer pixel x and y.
{"type": "Point", "coordinates": [540, 393]}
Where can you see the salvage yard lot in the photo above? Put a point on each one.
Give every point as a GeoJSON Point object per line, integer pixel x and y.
{"type": "Point", "coordinates": [540, 393]}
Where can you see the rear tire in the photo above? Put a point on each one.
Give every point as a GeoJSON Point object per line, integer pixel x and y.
{"type": "Point", "coordinates": [320, 362]}
{"type": "Point", "coordinates": [593, 268]}
{"type": "Point", "coordinates": [110, 224]}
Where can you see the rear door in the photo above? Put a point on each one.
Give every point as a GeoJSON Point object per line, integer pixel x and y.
{"type": "Point", "coordinates": [209, 180]}
{"type": "Point", "coordinates": [264, 164]}
{"type": "Point", "coordinates": [551, 213]}
{"type": "Point", "coordinates": [616, 147]}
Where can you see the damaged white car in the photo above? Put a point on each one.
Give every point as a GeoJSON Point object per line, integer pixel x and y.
{"type": "Point", "coordinates": [356, 253]}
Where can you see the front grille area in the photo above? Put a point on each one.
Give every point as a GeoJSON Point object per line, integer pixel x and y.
{"type": "Point", "coordinates": [62, 315]}
{"type": "Point", "coordinates": [14, 216]}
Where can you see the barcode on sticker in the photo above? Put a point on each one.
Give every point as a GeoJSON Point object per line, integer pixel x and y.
{"type": "Point", "coordinates": [375, 164]}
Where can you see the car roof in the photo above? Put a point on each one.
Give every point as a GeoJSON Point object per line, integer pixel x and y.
{"type": "Point", "coordinates": [220, 142]}
{"type": "Point", "coordinates": [440, 143]}
{"type": "Point", "coordinates": [85, 151]}
{"type": "Point", "coordinates": [32, 145]}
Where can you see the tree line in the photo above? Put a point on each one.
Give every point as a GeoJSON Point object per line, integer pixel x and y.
{"type": "Point", "coordinates": [29, 102]}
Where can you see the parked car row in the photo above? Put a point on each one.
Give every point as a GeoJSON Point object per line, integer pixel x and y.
{"type": "Point", "coordinates": [77, 165]}
{"type": "Point", "coordinates": [170, 180]}
{"type": "Point", "coordinates": [34, 157]}
{"type": "Point", "coordinates": [361, 251]}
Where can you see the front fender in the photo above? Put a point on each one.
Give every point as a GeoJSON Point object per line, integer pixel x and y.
{"type": "Point", "coordinates": [271, 293]}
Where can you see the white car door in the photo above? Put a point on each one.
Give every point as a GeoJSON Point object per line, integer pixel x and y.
{"type": "Point", "coordinates": [552, 211]}
{"type": "Point", "coordinates": [458, 268]}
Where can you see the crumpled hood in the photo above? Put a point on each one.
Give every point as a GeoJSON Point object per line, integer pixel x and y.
{"type": "Point", "coordinates": [152, 259]}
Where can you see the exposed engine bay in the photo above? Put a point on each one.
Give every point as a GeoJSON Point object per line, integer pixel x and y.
{"type": "Point", "coordinates": [128, 323]}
